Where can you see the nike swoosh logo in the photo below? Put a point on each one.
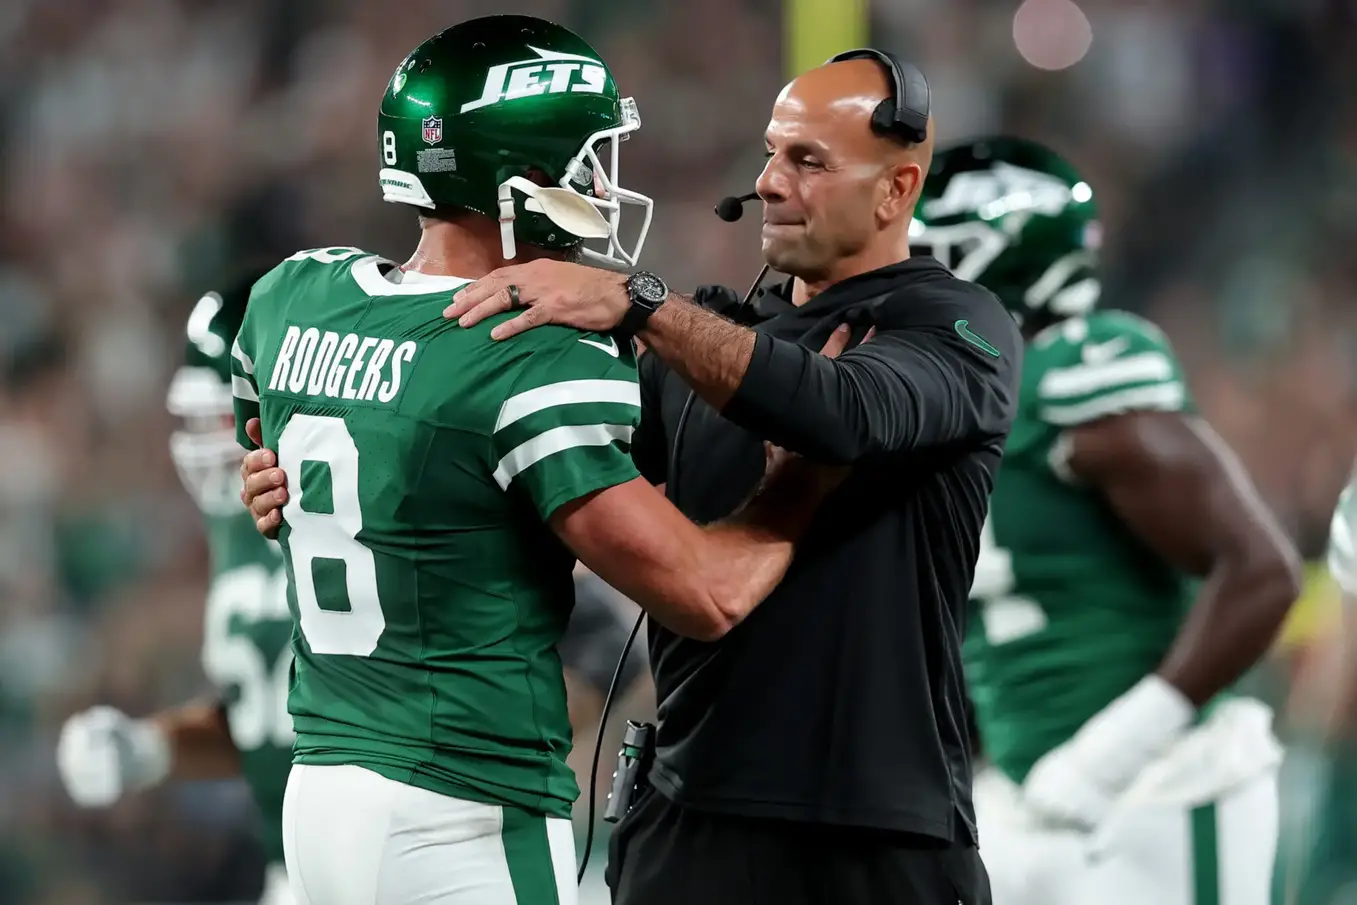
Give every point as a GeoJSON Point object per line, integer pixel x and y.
{"type": "Point", "coordinates": [979, 342]}
{"type": "Point", "coordinates": [611, 348]}
{"type": "Point", "coordinates": [1103, 352]}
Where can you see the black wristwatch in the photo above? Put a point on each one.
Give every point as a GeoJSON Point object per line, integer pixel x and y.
{"type": "Point", "coordinates": [647, 293]}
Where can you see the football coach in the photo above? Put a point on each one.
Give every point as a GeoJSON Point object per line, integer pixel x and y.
{"type": "Point", "coordinates": [819, 752]}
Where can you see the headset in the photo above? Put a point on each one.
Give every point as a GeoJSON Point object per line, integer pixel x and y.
{"type": "Point", "coordinates": [904, 117]}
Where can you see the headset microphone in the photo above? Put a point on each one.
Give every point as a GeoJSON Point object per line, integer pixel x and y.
{"type": "Point", "coordinates": [731, 208]}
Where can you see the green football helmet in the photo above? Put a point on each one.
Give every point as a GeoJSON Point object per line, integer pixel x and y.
{"type": "Point", "coordinates": [1015, 217]}
{"type": "Point", "coordinates": [204, 449]}
{"type": "Point", "coordinates": [518, 119]}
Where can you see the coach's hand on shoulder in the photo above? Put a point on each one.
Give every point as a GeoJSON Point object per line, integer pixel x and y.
{"type": "Point", "coordinates": [550, 292]}
{"type": "Point", "coordinates": [263, 484]}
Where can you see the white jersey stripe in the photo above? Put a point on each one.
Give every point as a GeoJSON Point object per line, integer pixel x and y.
{"type": "Point", "coordinates": [557, 440]}
{"type": "Point", "coordinates": [239, 354]}
{"type": "Point", "coordinates": [567, 392]}
{"type": "Point", "coordinates": [241, 389]}
{"type": "Point", "coordinates": [1089, 378]}
{"type": "Point", "coordinates": [1159, 397]}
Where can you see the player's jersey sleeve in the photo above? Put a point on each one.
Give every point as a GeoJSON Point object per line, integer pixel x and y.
{"type": "Point", "coordinates": [566, 426]}
{"type": "Point", "coordinates": [1342, 556]}
{"type": "Point", "coordinates": [244, 387]}
{"type": "Point", "coordinates": [1106, 364]}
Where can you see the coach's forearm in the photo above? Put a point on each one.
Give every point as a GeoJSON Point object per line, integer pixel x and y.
{"type": "Point", "coordinates": [710, 353]}
{"type": "Point", "coordinates": [199, 737]}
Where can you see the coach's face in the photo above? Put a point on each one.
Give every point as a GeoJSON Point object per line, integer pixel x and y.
{"type": "Point", "coordinates": [832, 188]}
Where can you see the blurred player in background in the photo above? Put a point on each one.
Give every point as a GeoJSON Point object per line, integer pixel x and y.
{"type": "Point", "coordinates": [1122, 769]}
{"type": "Point", "coordinates": [1323, 856]}
{"type": "Point", "coordinates": [104, 754]}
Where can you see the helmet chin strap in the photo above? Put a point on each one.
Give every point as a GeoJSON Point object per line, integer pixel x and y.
{"type": "Point", "coordinates": [567, 209]}
{"type": "Point", "coordinates": [506, 222]}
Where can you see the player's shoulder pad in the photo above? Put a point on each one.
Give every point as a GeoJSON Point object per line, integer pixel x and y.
{"type": "Point", "coordinates": [558, 352]}
{"type": "Point", "coordinates": [308, 265]}
{"type": "Point", "coordinates": [1065, 341]}
{"type": "Point", "coordinates": [1108, 362]}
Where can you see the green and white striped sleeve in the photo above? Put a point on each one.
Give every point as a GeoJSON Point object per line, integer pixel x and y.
{"type": "Point", "coordinates": [243, 387]}
{"type": "Point", "coordinates": [565, 429]}
{"type": "Point", "coordinates": [1342, 557]}
{"type": "Point", "coordinates": [1121, 364]}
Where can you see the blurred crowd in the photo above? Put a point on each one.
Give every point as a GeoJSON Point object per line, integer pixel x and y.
{"type": "Point", "coordinates": [148, 147]}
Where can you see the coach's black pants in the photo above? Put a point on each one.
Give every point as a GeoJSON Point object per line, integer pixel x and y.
{"type": "Point", "coordinates": [664, 854]}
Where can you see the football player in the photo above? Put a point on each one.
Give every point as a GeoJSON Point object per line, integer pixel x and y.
{"type": "Point", "coordinates": [439, 487]}
{"type": "Point", "coordinates": [1128, 576]}
{"type": "Point", "coordinates": [104, 754]}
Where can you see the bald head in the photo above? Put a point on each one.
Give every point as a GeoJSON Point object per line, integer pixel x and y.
{"type": "Point", "coordinates": [838, 196]}
{"type": "Point", "coordinates": [846, 94]}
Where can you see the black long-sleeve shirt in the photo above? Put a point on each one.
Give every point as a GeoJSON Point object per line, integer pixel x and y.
{"type": "Point", "coordinates": [840, 699]}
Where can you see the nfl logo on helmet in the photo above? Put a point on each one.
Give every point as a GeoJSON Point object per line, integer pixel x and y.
{"type": "Point", "coordinates": [433, 130]}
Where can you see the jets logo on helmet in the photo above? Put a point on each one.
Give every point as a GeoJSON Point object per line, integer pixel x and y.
{"type": "Point", "coordinates": [551, 73]}
{"type": "Point", "coordinates": [536, 121]}
{"type": "Point", "coordinates": [1015, 217]}
{"type": "Point", "coordinates": [1002, 189]}
{"type": "Point", "coordinates": [199, 327]}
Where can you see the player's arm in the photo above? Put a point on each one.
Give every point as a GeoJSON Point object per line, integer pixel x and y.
{"type": "Point", "coordinates": [697, 582]}
{"type": "Point", "coordinates": [200, 742]}
{"type": "Point", "coordinates": [909, 388]}
{"type": "Point", "coordinates": [1128, 433]}
{"type": "Point", "coordinates": [562, 440]}
{"type": "Point", "coordinates": [104, 754]}
{"type": "Point", "coordinates": [1179, 488]}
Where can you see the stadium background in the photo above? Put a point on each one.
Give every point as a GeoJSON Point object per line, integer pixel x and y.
{"type": "Point", "coordinates": [145, 145]}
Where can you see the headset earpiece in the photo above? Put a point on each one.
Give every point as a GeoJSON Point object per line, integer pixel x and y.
{"type": "Point", "coordinates": [904, 115]}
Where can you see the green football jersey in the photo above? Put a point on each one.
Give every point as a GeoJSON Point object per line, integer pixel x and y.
{"type": "Point", "coordinates": [1068, 608]}
{"type": "Point", "coordinates": [247, 654]}
{"type": "Point", "coordinates": [424, 460]}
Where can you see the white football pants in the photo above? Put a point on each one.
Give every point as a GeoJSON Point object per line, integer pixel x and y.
{"type": "Point", "coordinates": [352, 837]}
{"type": "Point", "coordinates": [1215, 850]}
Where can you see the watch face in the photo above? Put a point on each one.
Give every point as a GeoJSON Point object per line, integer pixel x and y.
{"type": "Point", "coordinates": [649, 288]}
